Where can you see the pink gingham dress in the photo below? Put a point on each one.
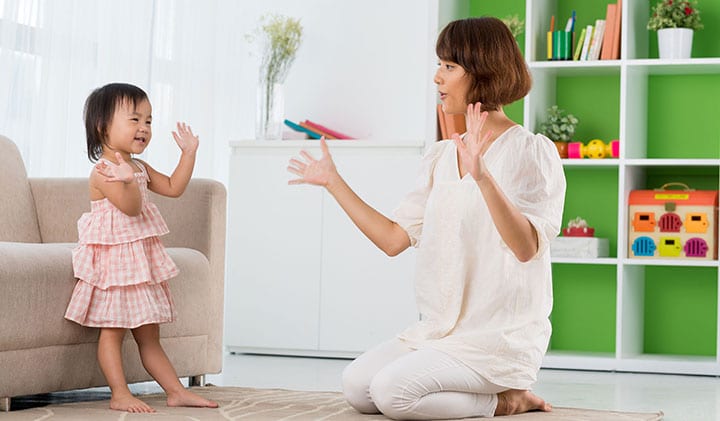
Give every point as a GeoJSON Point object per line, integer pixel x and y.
{"type": "Point", "coordinates": [121, 266]}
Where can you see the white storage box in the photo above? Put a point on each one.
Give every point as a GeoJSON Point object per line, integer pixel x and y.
{"type": "Point", "coordinates": [582, 247]}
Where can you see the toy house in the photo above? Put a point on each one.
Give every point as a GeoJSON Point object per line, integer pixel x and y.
{"type": "Point", "coordinates": [673, 224]}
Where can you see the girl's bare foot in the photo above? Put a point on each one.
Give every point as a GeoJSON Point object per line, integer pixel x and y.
{"type": "Point", "coordinates": [129, 403]}
{"type": "Point", "coordinates": [515, 401]}
{"type": "Point", "coordinates": [184, 397]}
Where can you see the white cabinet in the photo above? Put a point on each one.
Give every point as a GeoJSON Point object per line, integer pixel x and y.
{"type": "Point", "coordinates": [301, 278]}
{"type": "Point", "coordinates": [652, 331]}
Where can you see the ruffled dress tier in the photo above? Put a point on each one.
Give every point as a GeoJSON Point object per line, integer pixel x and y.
{"type": "Point", "coordinates": [122, 266]}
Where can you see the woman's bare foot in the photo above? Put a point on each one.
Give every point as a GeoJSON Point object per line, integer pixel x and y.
{"type": "Point", "coordinates": [184, 397]}
{"type": "Point", "coordinates": [129, 403]}
{"type": "Point", "coordinates": [515, 401]}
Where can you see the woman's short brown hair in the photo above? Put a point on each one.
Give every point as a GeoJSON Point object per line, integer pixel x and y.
{"type": "Point", "coordinates": [486, 49]}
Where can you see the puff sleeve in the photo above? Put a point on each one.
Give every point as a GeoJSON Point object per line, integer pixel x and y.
{"type": "Point", "coordinates": [537, 188]}
{"type": "Point", "coordinates": [410, 213]}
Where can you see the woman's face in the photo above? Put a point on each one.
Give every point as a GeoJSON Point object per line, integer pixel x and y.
{"type": "Point", "coordinates": [453, 85]}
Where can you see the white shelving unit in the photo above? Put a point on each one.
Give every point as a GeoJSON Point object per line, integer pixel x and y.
{"type": "Point", "coordinates": [633, 70]}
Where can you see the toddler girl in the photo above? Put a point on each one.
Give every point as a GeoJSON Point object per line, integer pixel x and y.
{"type": "Point", "coordinates": [121, 265]}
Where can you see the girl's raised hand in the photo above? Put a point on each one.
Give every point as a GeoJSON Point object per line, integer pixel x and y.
{"type": "Point", "coordinates": [120, 172]}
{"type": "Point", "coordinates": [313, 171]}
{"type": "Point", "coordinates": [472, 148]}
{"type": "Point", "coordinates": [185, 139]}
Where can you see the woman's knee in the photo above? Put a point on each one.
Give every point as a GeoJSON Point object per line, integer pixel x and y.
{"type": "Point", "coordinates": [355, 385]}
{"type": "Point", "coordinates": [390, 397]}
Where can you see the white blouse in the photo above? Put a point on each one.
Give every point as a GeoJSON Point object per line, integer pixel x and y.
{"type": "Point", "coordinates": [478, 302]}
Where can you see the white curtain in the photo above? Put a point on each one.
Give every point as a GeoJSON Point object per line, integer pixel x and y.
{"type": "Point", "coordinates": [185, 54]}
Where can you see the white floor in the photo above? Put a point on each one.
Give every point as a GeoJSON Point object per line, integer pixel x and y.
{"type": "Point", "coordinates": [686, 398]}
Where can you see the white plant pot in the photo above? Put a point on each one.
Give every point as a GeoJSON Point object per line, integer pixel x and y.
{"type": "Point", "coordinates": [675, 43]}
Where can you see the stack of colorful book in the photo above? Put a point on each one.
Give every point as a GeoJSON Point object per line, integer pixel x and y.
{"type": "Point", "coordinates": [316, 131]}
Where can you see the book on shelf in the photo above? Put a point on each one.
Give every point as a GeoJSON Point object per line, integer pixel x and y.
{"type": "Point", "coordinates": [334, 133]}
{"type": "Point", "coordinates": [617, 32]}
{"type": "Point", "coordinates": [596, 43]}
{"type": "Point", "coordinates": [589, 34]}
{"type": "Point", "coordinates": [316, 130]}
{"type": "Point", "coordinates": [299, 128]}
{"type": "Point", "coordinates": [579, 46]}
{"type": "Point", "coordinates": [607, 41]}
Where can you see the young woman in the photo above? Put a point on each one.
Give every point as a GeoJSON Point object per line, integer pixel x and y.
{"type": "Point", "coordinates": [485, 208]}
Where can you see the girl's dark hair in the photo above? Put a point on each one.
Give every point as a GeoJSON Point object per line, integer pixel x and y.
{"type": "Point", "coordinates": [486, 49]}
{"type": "Point", "coordinates": [99, 111]}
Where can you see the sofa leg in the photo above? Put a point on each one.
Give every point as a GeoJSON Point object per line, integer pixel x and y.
{"type": "Point", "coordinates": [5, 404]}
{"type": "Point", "coordinates": [196, 380]}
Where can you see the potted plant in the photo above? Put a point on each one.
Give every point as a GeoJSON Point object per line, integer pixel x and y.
{"type": "Point", "coordinates": [559, 126]}
{"type": "Point", "coordinates": [280, 37]}
{"type": "Point", "coordinates": [675, 22]}
{"type": "Point", "coordinates": [515, 24]}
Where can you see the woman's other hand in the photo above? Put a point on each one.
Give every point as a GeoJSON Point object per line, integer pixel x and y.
{"type": "Point", "coordinates": [313, 171]}
{"type": "Point", "coordinates": [472, 148]}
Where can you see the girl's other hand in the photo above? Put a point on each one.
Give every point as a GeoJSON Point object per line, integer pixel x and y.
{"type": "Point", "coordinates": [313, 171]}
{"type": "Point", "coordinates": [120, 172]}
{"type": "Point", "coordinates": [474, 145]}
{"type": "Point", "coordinates": [185, 138]}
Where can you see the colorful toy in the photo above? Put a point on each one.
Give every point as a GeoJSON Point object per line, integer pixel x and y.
{"type": "Point", "coordinates": [579, 241]}
{"type": "Point", "coordinates": [674, 224]}
{"type": "Point", "coordinates": [596, 149]}
{"type": "Point", "coordinates": [578, 228]}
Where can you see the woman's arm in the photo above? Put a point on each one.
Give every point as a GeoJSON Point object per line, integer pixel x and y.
{"type": "Point", "coordinates": [175, 185]}
{"type": "Point", "coordinates": [386, 234]}
{"type": "Point", "coordinates": [514, 228]}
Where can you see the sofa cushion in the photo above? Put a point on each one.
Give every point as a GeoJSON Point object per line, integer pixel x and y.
{"type": "Point", "coordinates": [42, 275]}
{"type": "Point", "coordinates": [17, 208]}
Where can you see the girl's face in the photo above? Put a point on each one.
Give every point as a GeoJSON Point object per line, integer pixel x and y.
{"type": "Point", "coordinates": [130, 130]}
{"type": "Point", "coordinates": [453, 85]}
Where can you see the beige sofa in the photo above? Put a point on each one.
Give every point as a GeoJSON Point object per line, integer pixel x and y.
{"type": "Point", "coordinates": [42, 352]}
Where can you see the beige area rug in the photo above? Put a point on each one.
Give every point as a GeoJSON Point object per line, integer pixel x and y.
{"type": "Point", "coordinates": [237, 403]}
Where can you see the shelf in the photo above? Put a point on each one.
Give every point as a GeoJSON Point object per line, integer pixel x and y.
{"type": "Point", "coordinates": [578, 261]}
{"type": "Point", "coordinates": [312, 143]}
{"type": "Point", "coordinates": [670, 262]}
{"type": "Point", "coordinates": [676, 67]}
{"type": "Point", "coordinates": [677, 364]}
{"type": "Point", "coordinates": [577, 68]}
{"type": "Point", "coordinates": [579, 360]}
{"type": "Point", "coordinates": [590, 162]}
{"type": "Point", "coordinates": [672, 162]}
{"type": "Point", "coordinates": [690, 66]}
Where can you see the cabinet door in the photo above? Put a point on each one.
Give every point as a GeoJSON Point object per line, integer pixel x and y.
{"type": "Point", "coordinates": [273, 269]}
{"type": "Point", "coordinates": [366, 296]}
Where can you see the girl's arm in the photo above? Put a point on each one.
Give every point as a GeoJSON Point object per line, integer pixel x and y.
{"type": "Point", "coordinates": [175, 185]}
{"type": "Point", "coordinates": [514, 228]}
{"type": "Point", "coordinates": [117, 183]}
{"type": "Point", "coordinates": [386, 234]}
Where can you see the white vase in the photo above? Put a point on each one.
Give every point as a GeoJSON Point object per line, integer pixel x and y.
{"type": "Point", "coordinates": [270, 111]}
{"type": "Point", "coordinates": [675, 43]}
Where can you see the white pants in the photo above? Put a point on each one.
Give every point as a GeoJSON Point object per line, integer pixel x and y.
{"type": "Point", "coordinates": [408, 384]}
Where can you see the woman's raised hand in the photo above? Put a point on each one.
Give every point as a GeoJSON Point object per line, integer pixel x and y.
{"type": "Point", "coordinates": [474, 145]}
{"type": "Point", "coordinates": [120, 172]}
{"type": "Point", "coordinates": [311, 170]}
